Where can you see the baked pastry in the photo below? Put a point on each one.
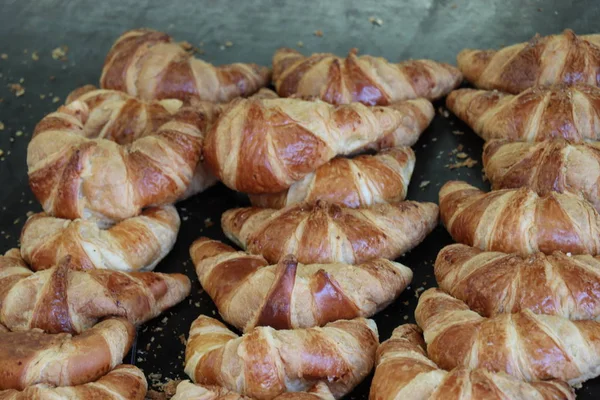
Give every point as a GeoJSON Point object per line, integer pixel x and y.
{"type": "Point", "coordinates": [265, 363]}
{"type": "Point", "coordinates": [358, 182]}
{"type": "Point", "coordinates": [147, 64]}
{"type": "Point", "coordinates": [32, 357]}
{"type": "Point", "coordinates": [366, 79]}
{"type": "Point", "coordinates": [325, 233]}
{"type": "Point", "coordinates": [403, 371]}
{"type": "Point", "coordinates": [135, 244]}
{"type": "Point", "coordinates": [493, 283]}
{"type": "Point", "coordinates": [190, 391]}
{"type": "Point", "coordinates": [265, 145]}
{"type": "Point", "coordinates": [123, 382]}
{"type": "Point", "coordinates": [561, 111]}
{"type": "Point", "coordinates": [543, 60]}
{"type": "Point", "coordinates": [551, 166]}
{"type": "Point", "coordinates": [519, 221]}
{"type": "Point", "coordinates": [63, 299]}
{"type": "Point", "coordinates": [249, 292]}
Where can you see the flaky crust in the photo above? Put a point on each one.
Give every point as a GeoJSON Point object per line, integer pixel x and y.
{"type": "Point", "coordinates": [403, 371]}
{"type": "Point", "coordinates": [249, 292]}
{"type": "Point", "coordinates": [352, 182]}
{"type": "Point", "coordinates": [190, 391]}
{"type": "Point", "coordinates": [32, 357]}
{"type": "Point", "coordinates": [561, 111]}
{"type": "Point", "coordinates": [325, 233]}
{"type": "Point", "coordinates": [525, 345]}
{"type": "Point", "coordinates": [265, 363]}
{"type": "Point", "coordinates": [147, 64]}
{"type": "Point", "coordinates": [366, 79]}
{"type": "Point", "coordinates": [563, 58]}
{"type": "Point", "coordinates": [519, 221]}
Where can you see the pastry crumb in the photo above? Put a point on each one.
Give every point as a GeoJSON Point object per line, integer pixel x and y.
{"type": "Point", "coordinates": [55, 99]}
{"type": "Point", "coordinates": [182, 339]}
{"type": "Point", "coordinates": [17, 89]}
{"type": "Point", "coordinates": [1, 126]}
{"type": "Point", "coordinates": [462, 155]}
{"type": "Point", "coordinates": [19, 133]}
{"type": "Point", "coordinates": [457, 132]}
{"type": "Point", "coordinates": [318, 33]}
{"type": "Point", "coordinates": [60, 53]}
{"type": "Point", "coordinates": [376, 21]}
{"type": "Point", "coordinates": [4, 56]}
{"type": "Point", "coordinates": [229, 43]}
{"type": "Point", "coordinates": [35, 56]}
{"type": "Point", "coordinates": [208, 222]}
{"type": "Point", "coordinates": [443, 112]}
{"type": "Point", "coordinates": [469, 163]}
{"type": "Point", "coordinates": [423, 184]}
{"type": "Point", "coordinates": [300, 43]}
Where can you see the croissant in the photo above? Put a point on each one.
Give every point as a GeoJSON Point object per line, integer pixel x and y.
{"type": "Point", "coordinates": [403, 371]}
{"type": "Point", "coordinates": [525, 345]}
{"type": "Point", "coordinates": [366, 79]}
{"type": "Point", "coordinates": [544, 60]}
{"type": "Point", "coordinates": [147, 64]}
{"type": "Point", "coordinates": [358, 182]}
{"type": "Point", "coordinates": [519, 221]}
{"type": "Point", "coordinates": [326, 233]}
{"type": "Point", "coordinates": [265, 363]}
{"type": "Point", "coordinates": [189, 391]}
{"type": "Point", "coordinates": [32, 357]}
{"type": "Point", "coordinates": [249, 292]}
{"type": "Point", "coordinates": [537, 114]}
{"type": "Point", "coordinates": [545, 167]}
{"type": "Point", "coordinates": [265, 145]}
{"type": "Point", "coordinates": [134, 244]}
{"type": "Point", "coordinates": [123, 382]}
{"type": "Point", "coordinates": [63, 299]}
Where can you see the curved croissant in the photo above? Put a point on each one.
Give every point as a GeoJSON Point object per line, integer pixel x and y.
{"type": "Point", "coordinates": [265, 362]}
{"type": "Point", "coordinates": [561, 111]}
{"type": "Point", "coordinates": [147, 64]}
{"type": "Point", "coordinates": [403, 371]}
{"type": "Point", "coordinates": [265, 145]}
{"type": "Point", "coordinates": [544, 60]}
{"type": "Point", "coordinates": [519, 221]}
{"type": "Point", "coordinates": [325, 233]}
{"type": "Point", "coordinates": [357, 182]}
{"type": "Point", "coordinates": [249, 292]}
{"type": "Point", "coordinates": [551, 166]}
{"type": "Point", "coordinates": [134, 244]}
{"type": "Point", "coordinates": [190, 391]}
{"type": "Point", "coordinates": [63, 299]}
{"type": "Point", "coordinates": [32, 357]}
{"type": "Point", "coordinates": [123, 382]}
{"type": "Point", "coordinates": [525, 345]}
{"type": "Point", "coordinates": [366, 79]}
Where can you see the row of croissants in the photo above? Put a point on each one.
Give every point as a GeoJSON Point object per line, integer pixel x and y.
{"type": "Point", "coordinates": [326, 162]}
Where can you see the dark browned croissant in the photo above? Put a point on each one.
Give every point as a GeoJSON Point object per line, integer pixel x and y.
{"type": "Point", "coordinates": [190, 391]}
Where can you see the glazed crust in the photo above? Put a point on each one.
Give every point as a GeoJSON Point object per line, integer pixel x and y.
{"type": "Point", "coordinates": [190, 391]}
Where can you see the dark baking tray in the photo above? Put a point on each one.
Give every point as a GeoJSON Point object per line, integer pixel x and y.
{"type": "Point", "coordinates": [420, 29]}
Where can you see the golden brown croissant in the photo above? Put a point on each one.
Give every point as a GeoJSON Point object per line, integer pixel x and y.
{"type": "Point", "coordinates": [518, 220]}
{"type": "Point", "coordinates": [147, 64]}
{"type": "Point", "coordinates": [403, 371]}
{"type": "Point", "coordinates": [63, 299]}
{"type": "Point", "coordinates": [265, 145]}
{"type": "Point", "coordinates": [134, 244]}
{"type": "Point", "coordinates": [526, 345]}
{"type": "Point", "coordinates": [539, 113]}
{"type": "Point", "coordinates": [544, 60]}
{"type": "Point", "coordinates": [123, 382]}
{"type": "Point", "coordinates": [249, 292]}
{"type": "Point", "coordinates": [325, 233]}
{"type": "Point", "coordinates": [190, 391]}
{"type": "Point", "coordinates": [32, 357]}
{"type": "Point", "coordinates": [544, 167]}
{"type": "Point", "coordinates": [492, 283]}
{"type": "Point", "coordinates": [366, 79]}
{"type": "Point", "coordinates": [265, 363]}
{"type": "Point", "coordinates": [358, 182]}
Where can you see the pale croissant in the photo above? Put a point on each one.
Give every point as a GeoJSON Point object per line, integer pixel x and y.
{"type": "Point", "coordinates": [519, 221]}
{"type": "Point", "coordinates": [147, 64]}
{"type": "Point", "coordinates": [265, 362]}
{"type": "Point", "coordinates": [566, 57]}
{"type": "Point", "coordinates": [366, 79]}
{"type": "Point", "coordinates": [403, 371]}
{"type": "Point", "coordinates": [358, 182]}
{"type": "Point", "coordinates": [265, 145]}
{"type": "Point", "coordinates": [123, 382]}
{"type": "Point", "coordinates": [525, 345]}
{"type": "Point", "coordinates": [249, 292]}
{"type": "Point", "coordinates": [190, 391]}
{"type": "Point", "coordinates": [63, 299]}
{"type": "Point", "coordinates": [135, 244]}
{"type": "Point", "coordinates": [32, 357]}
{"type": "Point", "coordinates": [325, 233]}
{"type": "Point", "coordinates": [545, 167]}
{"type": "Point", "coordinates": [537, 114]}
